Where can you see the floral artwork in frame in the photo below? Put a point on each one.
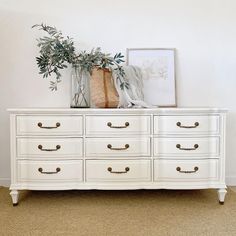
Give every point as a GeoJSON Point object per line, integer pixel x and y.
{"type": "Point", "coordinates": [158, 69]}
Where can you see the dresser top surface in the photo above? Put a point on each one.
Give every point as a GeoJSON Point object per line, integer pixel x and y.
{"type": "Point", "coordinates": [166, 110]}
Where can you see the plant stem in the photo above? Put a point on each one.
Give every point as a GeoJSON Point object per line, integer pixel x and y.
{"type": "Point", "coordinates": [80, 93]}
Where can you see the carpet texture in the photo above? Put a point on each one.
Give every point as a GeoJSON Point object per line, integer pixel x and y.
{"type": "Point", "coordinates": [126, 213]}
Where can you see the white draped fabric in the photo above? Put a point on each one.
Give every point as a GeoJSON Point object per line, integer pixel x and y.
{"type": "Point", "coordinates": [132, 96]}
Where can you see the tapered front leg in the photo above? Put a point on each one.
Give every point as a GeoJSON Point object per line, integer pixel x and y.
{"type": "Point", "coordinates": [15, 197]}
{"type": "Point", "coordinates": [221, 195]}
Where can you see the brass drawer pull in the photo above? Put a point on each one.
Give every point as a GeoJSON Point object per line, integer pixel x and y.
{"type": "Point", "coordinates": [196, 124]}
{"type": "Point", "coordinates": [112, 148]}
{"type": "Point", "coordinates": [109, 124]}
{"type": "Point", "coordinates": [49, 150]}
{"type": "Point", "coordinates": [187, 171]}
{"type": "Point", "coordinates": [196, 146]}
{"type": "Point", "coordinates": [118, 172]}
{"type": "Point", "coordinates": [50, 172]}
{"type": "Point", "coordinates": [40, 125]}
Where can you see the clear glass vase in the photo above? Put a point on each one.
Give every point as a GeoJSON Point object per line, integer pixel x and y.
{"type": "Point", "coordinates": [80, 91]}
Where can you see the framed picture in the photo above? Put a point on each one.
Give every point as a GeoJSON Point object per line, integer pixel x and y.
{"type": "Point", "coordinates": [158, 69]}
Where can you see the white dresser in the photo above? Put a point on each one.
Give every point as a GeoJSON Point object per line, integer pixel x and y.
{"type": "Point", "coordinates": [165, 148]}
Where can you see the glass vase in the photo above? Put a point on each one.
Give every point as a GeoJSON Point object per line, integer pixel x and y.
{"type": "Point", "coordinates": [80, 92]}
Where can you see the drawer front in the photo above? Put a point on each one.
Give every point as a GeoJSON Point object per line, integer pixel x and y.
{"type": "Point", "coordinates": [49, 171]}
{"type": "Point", "coordinates": [116, 125]}
{"type": "Point", "coordinates": [122, 147]}
{"type": "Point", "coordinates": [190, 147]}
{"type": "Point", "coordinates": [185, 170]}
{"type": "Point", "coordinates": [117, 170]}
{"type": "Point", "coordinates": [186, 124]}
{"type": "Point", "coordinates": [49, 125]}
{"type": "Point", "coordinates": [49, 147]}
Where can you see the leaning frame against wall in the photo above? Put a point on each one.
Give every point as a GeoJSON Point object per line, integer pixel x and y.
{"type": "Point", "coordinates": [158, 69]}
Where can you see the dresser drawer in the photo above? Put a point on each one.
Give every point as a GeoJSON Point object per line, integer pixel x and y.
{"type": "Point", "coordinates": [122, 147]}
{"type": "Point", "coordinates": [49, 147]}
{"type": "Point", "coordinates": [117, 170]}
{"type": "Point", "coordinates": [117, 125]}
{"type": "Point", "coordinates": [187, 124]}
{"type": "Point", "coordinates": [185, 170]}
{"type": "Point", "coordinates": [190, 147]}
{"type": "Point", "coordinates": [49, 171]}
{"type": "Point", "coordinates": [49, 125]}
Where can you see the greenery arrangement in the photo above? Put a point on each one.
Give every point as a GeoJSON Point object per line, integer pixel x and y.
{"type": "Point", "coordinates": [57, 51]}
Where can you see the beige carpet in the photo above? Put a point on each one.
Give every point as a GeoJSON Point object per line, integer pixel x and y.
{"type": "Point", "coordinates": [126, 213]}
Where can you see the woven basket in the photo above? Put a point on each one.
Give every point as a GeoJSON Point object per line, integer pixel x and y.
{"type": "Point", "coordinates": [102, 89]}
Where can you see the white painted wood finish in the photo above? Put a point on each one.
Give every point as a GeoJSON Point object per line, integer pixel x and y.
{"type": "Point", "coordinates": [122, 147]}
{"type": "Point", "coordinates": [207, 124]}
{"type": "Point", "coordinates": [117, 149]}
{"type": "Point", "coordinates": [28, 171]}
{"type": "Point", "coordinates": [49, 147]}
{"type": "Point", "coordinates": [107, 125]}
{"type": "Point", "coordinates": [167, 170]}
{"type": "Point", "coordinates": [67, 125]}
{"type": "Point", "coordinates": [98, 170]}
{"type": "Point", "coordinates": [186, 147]}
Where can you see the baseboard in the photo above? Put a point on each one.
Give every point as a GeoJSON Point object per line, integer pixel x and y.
{"type": "Point", "coordinates": [231, 180]}
{"type": "Point", "coordinates": [5, 182]}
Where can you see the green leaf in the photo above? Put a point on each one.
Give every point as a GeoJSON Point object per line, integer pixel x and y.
{"type": "Point", "coordinates": [57, 51]}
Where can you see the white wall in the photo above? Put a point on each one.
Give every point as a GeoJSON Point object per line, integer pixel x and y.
{"type": "Point", "coordinates": [202, 31]}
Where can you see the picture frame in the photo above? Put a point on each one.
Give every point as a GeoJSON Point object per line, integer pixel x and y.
{"type": "Point", "coordinates": [158, 69]}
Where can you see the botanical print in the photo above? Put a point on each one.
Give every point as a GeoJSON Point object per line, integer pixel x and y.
{"type": "Point", "coordinates": [158, 70]}
{"type": "Point", "coordinates": [155, 69]}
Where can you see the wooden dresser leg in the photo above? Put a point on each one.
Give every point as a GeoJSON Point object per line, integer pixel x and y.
{"type": "Point", "coordinates": [221, 195]}
{"type": "Point", "coordinates": [15, 197]}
